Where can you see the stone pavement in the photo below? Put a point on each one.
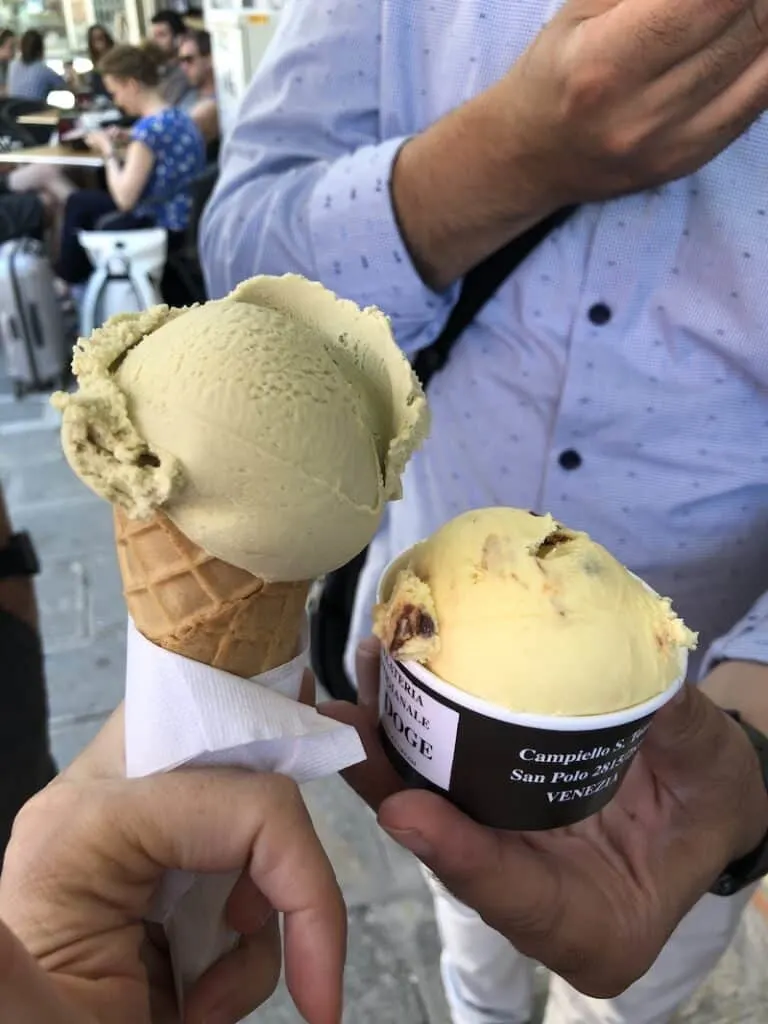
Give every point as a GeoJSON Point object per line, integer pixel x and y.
{"type": "Point", "coordinates": [392, 976]}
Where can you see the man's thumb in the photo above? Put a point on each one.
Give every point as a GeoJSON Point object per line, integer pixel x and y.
{"type": "Point", "coordinates": [422, 822]}
{"type": "Point", "coordinates": [497, 874]}
{"type": "Point", "coordinates": [465, 856]}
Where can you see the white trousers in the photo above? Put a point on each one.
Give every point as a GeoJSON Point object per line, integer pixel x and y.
{"type": "Point", "coordinates": [488, 982]}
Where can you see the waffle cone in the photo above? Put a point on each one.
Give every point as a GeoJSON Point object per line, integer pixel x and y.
{"type": "Point", "coordinates": [189, 602]}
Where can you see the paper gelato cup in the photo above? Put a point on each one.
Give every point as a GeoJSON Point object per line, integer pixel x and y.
{"type": "Point", "coordinates": [505, 769]}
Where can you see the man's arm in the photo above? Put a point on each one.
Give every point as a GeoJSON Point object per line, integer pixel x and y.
{"type": "Point", "coordinates": [309, 184]}
{"type": "Point", "coordinates": [464, 188]}
{"type": "Point", "coordinates": [126, 181]}
{"type": "Point", "coordinates": [735, 671]}
{"type": "Point", "coordinates": [305, 175]}
{"type": "Point", "coordinates": [55, 81]}
{"type": "Point", "coordinates": [205, 114]}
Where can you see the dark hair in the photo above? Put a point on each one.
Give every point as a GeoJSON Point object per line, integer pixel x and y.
{"type": "Point", "coordinates": [141, 63]}
{"type": "Point", "coordinates": [31, 46]}
{"type": "Point", "coordinates": [93, 29]}
{"type": "Point", "coordinates": [174, 21]}
{"type": "Point", "coordinates": [5, 35]}
{"type": "Point", "coordinates": [201, 39]}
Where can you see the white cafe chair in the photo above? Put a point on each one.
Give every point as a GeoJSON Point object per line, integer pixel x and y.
{"type": "Point", "coordinates": [128, 268]}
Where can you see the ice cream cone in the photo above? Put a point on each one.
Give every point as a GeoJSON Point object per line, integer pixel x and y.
{"type": "Point", "coordinates": [193, 604]}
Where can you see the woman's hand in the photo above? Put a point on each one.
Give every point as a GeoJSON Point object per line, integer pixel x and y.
{"type": "Point", "coordinates": [100, 142]}
{"type": "Point", "coordinates": [119, 136]}
{"type": "Point", "coordinates": [84, 862]}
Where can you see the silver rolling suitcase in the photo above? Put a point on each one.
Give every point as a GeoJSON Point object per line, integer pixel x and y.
{"type": "Point", "coordinates": [33, 329]}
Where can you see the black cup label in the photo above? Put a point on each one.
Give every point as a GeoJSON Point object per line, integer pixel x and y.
{"type": "Point", "coordinates": [502, 773]}
{"type": "Point", "coordinates": [421, 729]}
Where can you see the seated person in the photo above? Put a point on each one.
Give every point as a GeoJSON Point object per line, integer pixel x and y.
{"type": "Point", "coordinates": [100, 42]}
{"type": "Point", "coordinates": [200, 102]}
{"type": "Point", "coordinates": [148, 183]}
{"type": "Point", "coordinates": [168, 29]}
{"type": "Point", "coordinates": [7, 53]}
{"type": "Point", "coordinates": [29, 77]}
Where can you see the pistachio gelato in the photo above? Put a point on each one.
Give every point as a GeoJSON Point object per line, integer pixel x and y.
{"type": "Point", "coordinates": [271, 426]}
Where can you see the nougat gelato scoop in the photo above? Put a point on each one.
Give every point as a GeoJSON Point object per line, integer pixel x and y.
{"type": "Point", "coordinates": [271, 426]}
{"type": "Point", "coordinates": [531, 616]}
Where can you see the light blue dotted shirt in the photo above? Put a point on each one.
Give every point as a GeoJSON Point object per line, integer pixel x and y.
{"type": "Point", "coordinates": [619, 380]}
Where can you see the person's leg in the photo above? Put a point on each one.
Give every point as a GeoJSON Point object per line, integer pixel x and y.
{"type": "Point", "coordinates": [25, 760]}
{"type": "Point", "coordinates": [699, 941]}
{"type": "Point", "coordinates": [486, 980]}
{"type": "Point", "coordinates": [40, 178]}
{"type": "Point", "coordinates": [82, 211]}
{"type": "Point", "coordinates": [26, 765]}
{"type": "Point", "coordinates": [52, 187]}
{"type": "Point", "coordinates": [21, 216]}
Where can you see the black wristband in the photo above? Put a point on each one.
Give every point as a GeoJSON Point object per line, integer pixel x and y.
{"type": "Point", "coordinates": [752, 867]}
{"type": "Point", "coordinates": [18, 557]}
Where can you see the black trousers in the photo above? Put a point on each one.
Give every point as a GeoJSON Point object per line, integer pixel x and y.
{"type": "Point", "coordinates": [21, 216]}
{"type": "Point", "coordinates": [26, 765]}
{"type": "Point", "coordinates": [83, 210]}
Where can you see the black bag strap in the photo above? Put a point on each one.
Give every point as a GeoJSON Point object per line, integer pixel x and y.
{"type": "Point", "coordinates": [480, 284]}
{"type": "Point", "coordinates": [332, 611]}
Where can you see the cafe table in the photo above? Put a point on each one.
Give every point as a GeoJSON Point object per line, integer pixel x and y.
{"type": "Point", "coordinates": [60, 155]}
{"type": "Point", "coordinates": [47, 118]}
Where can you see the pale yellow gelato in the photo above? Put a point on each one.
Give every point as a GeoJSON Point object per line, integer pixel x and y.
{"type": "Point", "coordinates": [271, 426]}
{"type": "Point", "coordinates": [524, 613]}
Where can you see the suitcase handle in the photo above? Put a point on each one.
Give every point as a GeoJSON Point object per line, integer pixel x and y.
{"type": "Point", "coordinates": [9, 327]}
{"type": "Point", "coordinates": [36, 326]}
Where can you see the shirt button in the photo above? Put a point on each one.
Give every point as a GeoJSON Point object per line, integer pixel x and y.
{"type": "Point", "coordinates": [569, 459]}
{"type": "Point", "coordinates": [599, 314]}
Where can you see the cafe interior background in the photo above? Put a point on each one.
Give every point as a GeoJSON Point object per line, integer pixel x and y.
{"type": "Point", "coordinates": [240, 32]}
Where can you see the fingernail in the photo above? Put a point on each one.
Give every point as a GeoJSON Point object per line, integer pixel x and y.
{"type": "Point", "coordinates": [411, 840]}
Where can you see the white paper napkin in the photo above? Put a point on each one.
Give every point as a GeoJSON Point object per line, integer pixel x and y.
{"type": "Point", "coordinates": [179, 712]}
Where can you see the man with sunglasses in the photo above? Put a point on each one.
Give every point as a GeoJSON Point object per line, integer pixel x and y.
{"type": "Point", "coordinates": [200, 102]}
{"type": "Point", "coordinates": [167, 31]}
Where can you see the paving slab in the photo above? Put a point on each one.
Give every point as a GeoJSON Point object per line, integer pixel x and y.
{"type": "Point", "coordinates": [70, 735]}
{"type": "Point", "coordinates": [381, 981]}
{"type": "Point", "coordinates": [369, 865]}
{"type": "Point", "coordinates": [89, 679]}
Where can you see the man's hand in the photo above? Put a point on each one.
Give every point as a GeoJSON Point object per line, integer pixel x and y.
{"type": "Point", "coordinates": [635, 94]}
{"type": "Point", "coordinates": [597, 901]}
{"type": "Point", "coordinates": [85, 859]}
{"type": "Point", "coordinates": [612, 97]}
